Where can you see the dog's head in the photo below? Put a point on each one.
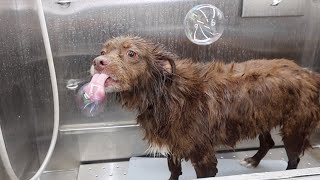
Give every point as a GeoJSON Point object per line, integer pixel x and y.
{"type": "Point", "coordinates": [129, 60]}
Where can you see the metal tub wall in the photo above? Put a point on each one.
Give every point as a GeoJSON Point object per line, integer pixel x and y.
{"type": "Point", "coordinates": [25, 94]}
{"type": "Point", "coordinates": [78, 29]}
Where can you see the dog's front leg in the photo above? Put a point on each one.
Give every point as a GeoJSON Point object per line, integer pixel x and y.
{"type": "Point", "coordinates": [174, 165]}
{"type": "Point", "coordinates": [205, 164]}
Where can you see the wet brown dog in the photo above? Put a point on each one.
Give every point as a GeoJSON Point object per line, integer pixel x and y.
{"type": "Point", "coordinates": [187, 108]}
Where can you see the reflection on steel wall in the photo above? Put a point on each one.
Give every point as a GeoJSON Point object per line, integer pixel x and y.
{"type": "Point", "coordinates": [25, 86]}
{"type": "Point", "coordinates": [77, 31]}
{"type": "Point", "coordinates": [311, 53]}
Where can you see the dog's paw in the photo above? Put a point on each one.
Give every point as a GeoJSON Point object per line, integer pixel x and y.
{"type": "Point", "coordinates": [174, 177]}
{"type": "Point", "coordinates": [249, 163]}
{"type": "Point", "coordinates": [171, 178]}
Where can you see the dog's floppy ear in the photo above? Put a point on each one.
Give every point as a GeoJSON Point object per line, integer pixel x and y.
{"type": "Point", "coordinates": [165, 60]}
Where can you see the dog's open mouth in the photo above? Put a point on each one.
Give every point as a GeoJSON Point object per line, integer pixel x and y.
{"type": "Point", "coordinates": [100, 84]}
{"type": "Point", "coordinates": [107, 80]}
{"type": "Point", "coordinates": [110, 81]}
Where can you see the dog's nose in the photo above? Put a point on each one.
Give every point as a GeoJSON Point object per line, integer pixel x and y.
{"type": "Point", "coordinates": [100, 62]}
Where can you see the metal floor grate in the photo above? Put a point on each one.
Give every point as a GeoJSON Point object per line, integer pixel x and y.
{"type": "Point", "coordinates": [104, 171]}
{"type": "Point", "coordinates": [156, 168]}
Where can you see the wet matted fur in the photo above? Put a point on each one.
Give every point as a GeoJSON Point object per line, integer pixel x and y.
{"type": "Point", "coordinates": [186, 108]}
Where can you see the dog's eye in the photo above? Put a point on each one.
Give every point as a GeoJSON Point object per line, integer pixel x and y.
{"type": "Point", "coordinates": [131, 53]}
{"type": "Point", "coordinates": [102, 53]}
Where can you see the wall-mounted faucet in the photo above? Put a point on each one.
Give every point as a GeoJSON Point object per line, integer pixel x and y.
{"type": "Point", "coordinates": [275, 2]}
{"type": "Point", "coordinates": [64, 3]}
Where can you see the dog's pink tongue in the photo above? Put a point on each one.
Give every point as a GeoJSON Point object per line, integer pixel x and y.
{"type": "Point", "coordinates": [95, 89]}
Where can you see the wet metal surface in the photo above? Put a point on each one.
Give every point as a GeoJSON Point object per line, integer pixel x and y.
{"type": "Point", "coordinates": [120, 170]}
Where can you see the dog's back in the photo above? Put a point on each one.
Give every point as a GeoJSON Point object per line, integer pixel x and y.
{"type": "Point", "coordinates": [255, 96]}
{"type": "Point", "coordinates": [248, 99]}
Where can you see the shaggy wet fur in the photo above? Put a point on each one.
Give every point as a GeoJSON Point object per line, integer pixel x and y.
{"type": "Point", "coordinates": [186, 109]}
